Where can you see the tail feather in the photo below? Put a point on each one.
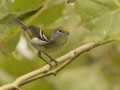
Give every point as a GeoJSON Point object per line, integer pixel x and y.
{"type": "Point", "coordinates": [19, 23]}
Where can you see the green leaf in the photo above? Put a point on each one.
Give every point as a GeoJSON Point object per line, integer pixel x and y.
{"type": "Point", "coordinates": [8, 33]}
{"type": "Point", "coordinates": [91, 9]}
{"type": "Point", "coordinates": [5, 8]}
{"type": "Point", "coordinates": [50, 15]}
{"type": "Point", "coordinates": [101, 17]}
{"type": "Point", "coordinates": [26, 5]}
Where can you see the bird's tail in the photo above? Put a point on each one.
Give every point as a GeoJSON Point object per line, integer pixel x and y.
{"type": "Point", "coordinates": [19, 23]}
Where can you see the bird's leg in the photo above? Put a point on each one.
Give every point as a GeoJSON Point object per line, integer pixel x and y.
{"type": "Point", "coordinates": [56, 62]}
{"type": "Point", "coordinates": [39, 55]}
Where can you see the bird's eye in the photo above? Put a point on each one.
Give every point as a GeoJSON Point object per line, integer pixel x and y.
{"type": "Point", "coordinates": [60, 30]}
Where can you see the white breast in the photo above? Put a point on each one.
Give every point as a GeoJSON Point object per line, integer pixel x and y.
{"type": "Point", "coordinates": [45, 46]}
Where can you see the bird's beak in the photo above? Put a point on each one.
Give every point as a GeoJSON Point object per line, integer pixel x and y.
{"type": "Point", "coordinates": [66, 32]}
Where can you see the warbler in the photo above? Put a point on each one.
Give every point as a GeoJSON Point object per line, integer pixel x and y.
{"type": "Point", "coordinates": [45, 40]}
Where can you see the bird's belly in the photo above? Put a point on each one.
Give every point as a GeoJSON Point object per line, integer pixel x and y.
{"type": "Point", "coordinates": [48, 48]}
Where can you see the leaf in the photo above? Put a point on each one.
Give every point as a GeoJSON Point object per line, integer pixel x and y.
{"type": "Point", "coordinates": [26, 5]}
{"type": "Point", "coordinates": [102, 17]}
{"type": "Point", "coordinates": [50, 15]}
{"type": "Point", "coordinates": [5, 8]}
{"type": "Point", "coordinates": [5, 22]}
{"type": "Point", "coordinates": [91, 9]}
{"type": "Point", "coordinates": [8, 33]}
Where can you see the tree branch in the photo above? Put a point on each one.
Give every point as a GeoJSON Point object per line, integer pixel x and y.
{"type": "Point", "coordinates": [43, 72]}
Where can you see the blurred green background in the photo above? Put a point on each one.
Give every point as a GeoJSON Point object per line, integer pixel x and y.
{"type": "Point", "coordinates": [88, 21]}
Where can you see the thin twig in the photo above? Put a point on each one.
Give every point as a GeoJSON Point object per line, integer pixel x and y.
{"type": "Point", "coordinates": [53, 72]}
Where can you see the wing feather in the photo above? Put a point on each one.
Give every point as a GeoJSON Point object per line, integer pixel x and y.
{"type": "Point", "coordinates": [38, 33]}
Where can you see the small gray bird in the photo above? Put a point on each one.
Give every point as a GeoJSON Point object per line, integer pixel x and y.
{"type": "Point", "coordinates": [45, 40]}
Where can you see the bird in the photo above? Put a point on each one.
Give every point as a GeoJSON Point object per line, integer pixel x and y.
{"type": "Point", "coordinates": [45, 40]}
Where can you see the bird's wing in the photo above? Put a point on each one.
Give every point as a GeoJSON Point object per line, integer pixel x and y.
{"type": "Point", "coordinates": [38, 33]}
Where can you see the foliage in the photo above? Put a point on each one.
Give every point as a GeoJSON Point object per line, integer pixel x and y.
{"type": "Point", "coordinates": [88, 21]}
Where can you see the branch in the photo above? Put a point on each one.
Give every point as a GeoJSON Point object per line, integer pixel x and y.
{"type": "Point", "coordinates": [43, 72]}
